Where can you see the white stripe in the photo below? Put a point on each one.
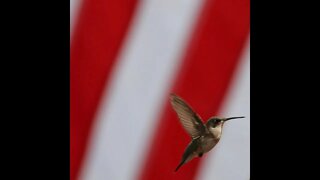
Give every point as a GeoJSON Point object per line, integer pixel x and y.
{"type": "Point", "coordinates": [138, 88]}
{"type": "Point", "coordinates": [230, 159]}
{"type": "Point", "coordinates": [74, 10]}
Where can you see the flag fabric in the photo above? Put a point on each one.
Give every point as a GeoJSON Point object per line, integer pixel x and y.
{"type": "Point", "coordinates": [127, 56]}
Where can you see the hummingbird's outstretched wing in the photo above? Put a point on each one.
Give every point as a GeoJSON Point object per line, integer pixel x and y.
{"type": "Point", "coordinates": [190, 120]}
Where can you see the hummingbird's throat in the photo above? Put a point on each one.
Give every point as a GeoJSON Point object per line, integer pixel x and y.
{"type": "Point", "coordinates": [216, 131]}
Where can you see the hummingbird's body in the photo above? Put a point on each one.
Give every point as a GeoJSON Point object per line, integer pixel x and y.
{"type": "Point", "coordinates": [204, 136]}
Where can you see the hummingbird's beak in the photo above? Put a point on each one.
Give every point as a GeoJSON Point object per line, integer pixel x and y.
{"type": "Point", "coordinates": [227, 119]}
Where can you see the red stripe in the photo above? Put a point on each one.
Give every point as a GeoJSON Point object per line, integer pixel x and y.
{"type": "Point", "coordinates": [97, 39]}
{"type": "Point", "coordinates": [203, 80]}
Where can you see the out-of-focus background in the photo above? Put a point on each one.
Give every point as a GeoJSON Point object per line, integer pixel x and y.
{"type": "Point", "coordinates": [127, 56]}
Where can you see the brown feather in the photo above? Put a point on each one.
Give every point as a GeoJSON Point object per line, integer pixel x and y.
{"type": "Point", "coordinates": [190, 120]}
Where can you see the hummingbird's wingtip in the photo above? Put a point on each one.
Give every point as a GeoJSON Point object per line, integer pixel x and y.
{"type": "Point", "coordinates": [172, 94]}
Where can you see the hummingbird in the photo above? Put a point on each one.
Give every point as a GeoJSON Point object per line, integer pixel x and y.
{"type": "Point", "coordinates": [203, 136]}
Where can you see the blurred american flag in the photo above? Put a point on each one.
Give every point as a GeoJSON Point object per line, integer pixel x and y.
{"type": "Point", "coordinates": [127, 56]}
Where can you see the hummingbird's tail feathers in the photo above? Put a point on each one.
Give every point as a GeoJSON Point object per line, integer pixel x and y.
{"type": "Point", "coordinates": [181, 163]}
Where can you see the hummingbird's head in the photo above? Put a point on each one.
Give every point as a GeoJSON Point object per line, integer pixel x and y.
{"type": "Point", "coordinates": [216, 121]}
